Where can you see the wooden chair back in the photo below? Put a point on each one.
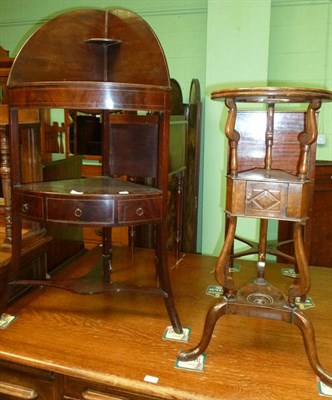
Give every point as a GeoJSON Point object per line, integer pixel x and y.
{"type": "Point", "coordinates": [286, 149]}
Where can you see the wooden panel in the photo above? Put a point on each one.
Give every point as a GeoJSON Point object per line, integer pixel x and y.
{"type": "Point", "coordinates": [31, 206]}
{"type": "Point", "coordinates": [5, 65]}
{"type": "Point", "coordinates": [24, 115]}
{"type": "Point", "coordinates": [136, 211]}
{"type": "Point", "coordinates": [318, 229]}
{"type": "Point", "coordinates": [192, 173]}
{"type": "Point", "coordinates": [80, 211]}
{"type": "Point", "coordinates": [67, 168]}
{"type": "Point", "coordinates": [321, 224]}
{"type": "Point", "coordinates": [286, 148]}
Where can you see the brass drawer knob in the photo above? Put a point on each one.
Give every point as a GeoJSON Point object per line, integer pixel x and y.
{"type": "Point", "coordinates": [25, 207]}
{"type": "Point", "coordinates": [139, 211]}
{"type": "Point", "coordinates": [78, 212]}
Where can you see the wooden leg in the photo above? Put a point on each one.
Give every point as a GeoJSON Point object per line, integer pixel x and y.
{"type": "Point", "coordinates": [262, 251]}
{"type": "Point", "coordinates": [308, 334]}
{"type": "Point", "coordinates": [302, 286]}
{"type": "Point", "coordinates": [223, 276]}
{"type": "Point", "coordinates": [163, 275]}
{"type": "Point", "coordinates": [215, 312]}
{"type": "Point", "coordinates": [178, 214]}
{"type": "Point", "coordinates": [132, 235]}
{"type": "Point", "coordinates": [107, 254]}
{"type": "Point", "coordinates": [262, 240]}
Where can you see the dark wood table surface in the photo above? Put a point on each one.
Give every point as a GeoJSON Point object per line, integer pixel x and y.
{"type": "Point", "coordinates": [116, 340]}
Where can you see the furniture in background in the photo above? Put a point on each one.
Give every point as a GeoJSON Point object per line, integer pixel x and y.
{"type": "Point", "coordinates": [113, 62]}
{"type": "Point", "coordinates": [192, 173]}
{"type": "Point", "coordinates": [321, 224]}
{"type": "Point", "coordinates": [268, 191]}
{"type": "Point", "coordinates": [43, 250]}
{"type": "Point", "coordinates": [29, 124]}
{"type": "Point", "coordinates": [183, 173]}
{"type": "Point", "coordinates": [318, 230]}
{"type": "Point", "coordinates": [54, 138]}
{"type": "Point", "coordinates": [142, 235]}
{"type": "Point", "coordinates": [87, 134]}
{"type": "Point", "coordinates": [184, 164]}
{"type": "Point", "coordinates": [5, 64]}
{"type": "Point", "coordinates": [41, 253]}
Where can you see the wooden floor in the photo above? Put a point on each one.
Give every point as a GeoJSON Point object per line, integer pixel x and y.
{"type": "Point", "coordinates": [116, 340]}
{"type": "Point", "coordinates": [5, 249]}
{"type": "Point", "coordinates": [5, 252]}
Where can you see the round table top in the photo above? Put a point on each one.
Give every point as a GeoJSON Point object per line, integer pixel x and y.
{"type": "Point", "coordinates": [272, 94]}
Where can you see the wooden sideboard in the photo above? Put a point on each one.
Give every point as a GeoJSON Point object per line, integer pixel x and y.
{"type": "Point", "coordinates": [73, 347]}
{"type": "Point", "coordinates": [66, 242]}
{"type": "Point", "coordinates": [320, 252]}
{"type": "Point", "coordinates": [318, 229]}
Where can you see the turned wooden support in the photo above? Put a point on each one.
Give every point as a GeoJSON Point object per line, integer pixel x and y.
{"type": "Point", "coordinates": [223, 276]}
{"type": "Point", "coordinates": [308, 137]}
{"type": "Point", "coordinates": [232, 135]}
{"type": "Point", "coordinates": [178, 214]}
{"type": "Point", "coordinates": [269, 137]}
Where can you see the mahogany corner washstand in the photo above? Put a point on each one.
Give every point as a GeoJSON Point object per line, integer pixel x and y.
{"type": "Point", "coordinates": [111, 63]}
{"type": "Point", "coordinates": [268, 192]}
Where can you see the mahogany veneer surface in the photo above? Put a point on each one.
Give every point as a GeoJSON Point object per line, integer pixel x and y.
{"type": "Point", "coordinates": [113, 341]}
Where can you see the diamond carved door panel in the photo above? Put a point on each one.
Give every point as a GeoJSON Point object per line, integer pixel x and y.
{"type": "Point", "coordinates": [266, 200]}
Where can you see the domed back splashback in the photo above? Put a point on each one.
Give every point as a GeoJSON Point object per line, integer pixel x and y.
{"type": "Point", "coordinates": [67, 49]}
{"type": "Point", "coordinates": [85, 49]}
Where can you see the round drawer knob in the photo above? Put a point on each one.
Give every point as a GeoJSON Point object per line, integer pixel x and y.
{"type": "Point", "coordinates": [25, 207]}
{"type": "Point", "coordinates": [139, 211]}
{"type": "Point", "coordinates": [78, 212]}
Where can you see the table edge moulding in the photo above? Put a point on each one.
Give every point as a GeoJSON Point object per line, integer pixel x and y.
{"type": "Point", "coordinates": [55, 69]}
{"type": "Point", "coordinates": [267, 193]}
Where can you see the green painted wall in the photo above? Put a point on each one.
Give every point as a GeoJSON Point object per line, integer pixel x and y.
{"type": "Point", "coordinates": [184, 44]}
{"type": "Point", "coordinates": [277, 42]}
{"type": "Point", "coordinates": [223, 43]}
{"type": "Point", "coordinates": [301, 53]}
{"type": "Point", "coordinates": [237, 54]}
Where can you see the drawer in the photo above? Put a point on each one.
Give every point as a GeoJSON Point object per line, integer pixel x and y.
{"type": "Point", "coordinates": [139, 210]}
{"type": "Point", "coordinates": [82, 390]}
{"type": "Point", "coordinates": [30, 206]}
{"type": "Point", "coordinates": [259, 199]}
{"type": "Point", "coordinates": [278, 200]}
{"type": "Point", "coordinates": [266, 199]}
{"type": "Point", "coordinates": [100, 212]}
{"type": "Point", "coordinates": [19, 382]}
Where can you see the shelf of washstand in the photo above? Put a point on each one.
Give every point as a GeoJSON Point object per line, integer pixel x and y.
{"type": "Point", "coordinates": [104, 41]}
